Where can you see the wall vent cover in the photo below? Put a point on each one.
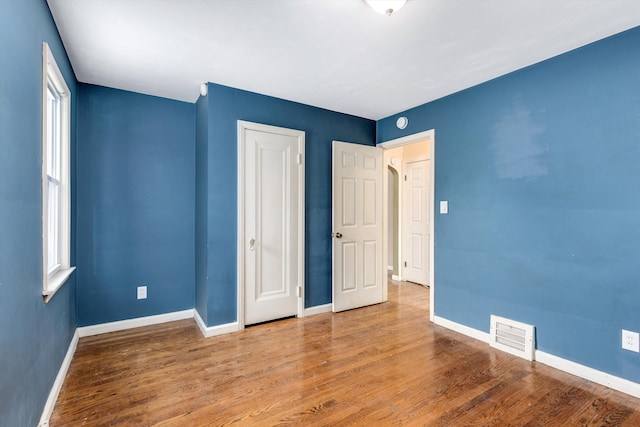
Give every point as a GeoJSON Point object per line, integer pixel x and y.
{"type": "Point", "coordinates": [513, 337]}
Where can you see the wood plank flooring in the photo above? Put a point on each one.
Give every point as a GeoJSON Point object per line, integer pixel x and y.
{"type": "Point", "coordinates": [383, 365]}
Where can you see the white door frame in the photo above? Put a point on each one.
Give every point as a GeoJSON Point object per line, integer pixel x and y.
{"type": "Point", "coordinates": [242, 126]}
{"type": "Point", "coordinates": [405, 140]}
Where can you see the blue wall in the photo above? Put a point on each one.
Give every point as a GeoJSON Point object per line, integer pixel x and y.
{"type": "Point", "coordinates": [227, 105]}
{"type": "Point", "coordinates": [34, 337]}
{"type": "Point", "coordinates": [540, 168]}
{"type": "Point", "coordinates": [136, 204]}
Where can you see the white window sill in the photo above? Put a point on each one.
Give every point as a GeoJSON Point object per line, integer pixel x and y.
{"type": "Point", "coordinates": [55, 282]}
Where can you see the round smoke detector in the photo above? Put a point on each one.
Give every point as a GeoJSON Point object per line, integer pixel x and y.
{"type": "Point", "coordinates": [402, 122]}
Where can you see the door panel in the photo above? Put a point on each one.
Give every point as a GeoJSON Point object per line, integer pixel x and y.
{"type": "Point", "coordinates": [370, 263]}
{"type": "Point", "coordinates": [349, 266]}
{"type": "Point", "coordinates": [271, 216]}
{"type": "Point", "coordinates": [348, 202]}
{"type": "Point", "coordinates": [272, 278]}
{"type": "Point", "coordinates": [416, 224]}
{"type": "Point", "coordinates": [357, 226]}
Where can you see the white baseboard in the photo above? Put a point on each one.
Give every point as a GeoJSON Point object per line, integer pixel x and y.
{"type": "Point", "coordinates": [212, 331]}
{"type": "Point", "coordinates": [465, 330]}
{"type": "Point", "coordinates": [103, 328]}
{"type": "Point", "coordinates": [57, 384]}
{"type": "Point", "coordinates": [582, 371]}
{"type": "Point", "coordinates": [573, 368]}
{"type": "Point", "coordinates": [120, 325]}
{"type": "Point", "coordinates": [318, 309]}
{"type": "Point", "coordinates": [390, 267]}
{"type": "Point", "coordinates": [396, 278]}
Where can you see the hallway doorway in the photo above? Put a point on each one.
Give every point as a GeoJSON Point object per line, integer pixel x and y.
{"type": "Point", "coordinates": [409, 214]}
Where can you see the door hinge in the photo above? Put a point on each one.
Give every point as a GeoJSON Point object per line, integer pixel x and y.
{"type": "Point", "coordinates": [405, 177]}
{"type": "Point", "coordinates": [405, 263]}
{"type": "Point", "coordinates": [299, 291]}
{"type": "Point", "coordinates": [299, 159]}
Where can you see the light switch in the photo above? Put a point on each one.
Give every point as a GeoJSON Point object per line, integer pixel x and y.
{"type": "Point", "coordinates": [444, 207]}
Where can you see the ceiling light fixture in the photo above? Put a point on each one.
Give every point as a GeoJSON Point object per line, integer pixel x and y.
{"type": "Point", "coordinates": [385, 7]}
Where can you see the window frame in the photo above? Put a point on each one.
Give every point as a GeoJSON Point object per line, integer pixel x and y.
{"type": "Point", "coordinates": [60, 129]}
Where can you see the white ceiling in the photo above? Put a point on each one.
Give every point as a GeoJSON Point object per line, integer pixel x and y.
{"type": "Point", "coordinates": [335, 54]}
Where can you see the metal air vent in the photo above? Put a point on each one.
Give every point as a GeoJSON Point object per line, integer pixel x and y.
{"type": "Point", "coordinates": [513, 337]}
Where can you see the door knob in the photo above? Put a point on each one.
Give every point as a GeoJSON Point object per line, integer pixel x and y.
{"type": "Point", "coordinates": [252, 244]}
{"type": "Point", "coordinates": [338, 235]}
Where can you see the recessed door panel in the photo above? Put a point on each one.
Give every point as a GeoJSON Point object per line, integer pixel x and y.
{"type": "Point", "coordinates": [417, 216]}
{"type": "Point", "coordinates": [349, 257]}
{"type": "Point", "coordinates": [348, 202]}
{"type": "Point", "coordinates": [370, 267]}
{"type": "Point", "coordinates": [417, 256]}
{"type": "Point", "coordinates": [369, 162]}
{"type": "Point", "coordinates": [272, 278]}
{"type": "Point", "coordinates": [370, 199]}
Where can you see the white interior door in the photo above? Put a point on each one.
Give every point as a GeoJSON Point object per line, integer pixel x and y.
{"type": "Point", "coordinates": [273, 212]}
{"type": "Point", "coordinates": [416, 223]}
{"type": "Point", "coordinates": [358, 268]}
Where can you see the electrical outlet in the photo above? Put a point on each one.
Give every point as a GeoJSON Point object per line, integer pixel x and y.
{"type": "Point", "coordinates": [631, 341]}
{"type": "Point", "coordinates": [142, 292]}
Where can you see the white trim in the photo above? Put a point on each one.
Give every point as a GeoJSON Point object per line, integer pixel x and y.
{"type": "Point", "coordinates": [409, 139]}
{"type": "Point", "coordinates": [397, 278]}
{"type": "Point", "coordinates": [465, 330]}
{"type": "Point", "coordinates": [318, 309]}
{"type": "Point", "coordinates": [242, 126]}
{"type": "Point", "coordinates": [56, 281]}
{"type": "Point", "coordinates": [212, 331]}
{"type": "Point", "coordinates": [240, 235]}
{"type": "Point", "coordinates": [57, 384]}
{"type": "Point", "coordinates": [301, 221]}
{"type": "Point", "coordinates": [582, 371]}
{"type": "Point", "coordinates": [104, 328]}
{"type": "Point", "coordinates": [573, 368]}
{"type": "Point", "coordinates": [51, 282]}
{"type": "Point", "coordinates": [120, 325]}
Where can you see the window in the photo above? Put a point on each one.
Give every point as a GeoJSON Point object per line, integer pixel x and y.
{"type": "Point", "coordinates": [56, 202]}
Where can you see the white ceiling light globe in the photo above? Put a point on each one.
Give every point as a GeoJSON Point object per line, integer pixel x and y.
{"type": "Point", "coordinates": [386, 7]}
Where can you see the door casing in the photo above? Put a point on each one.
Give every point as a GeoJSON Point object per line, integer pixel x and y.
{"type": "Point", "coordinates": [241, 243]}
{"type": "Point", "coordinates": [405, 140]}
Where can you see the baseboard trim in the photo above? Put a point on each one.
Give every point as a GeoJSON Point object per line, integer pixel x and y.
{"type": "Point", "coordinates": [103, 328]}
{"type": "Point", "coordinates": [465, 330]}
{"type": "Point", "coordinates": [396, 277]}
{"type": "Point", "coordinates": [565, 365]}
{"type": "Point", "coordinates": [582, 371]}
{"type": "Point", "coordinates": [212, 331]}
{"type": "Point", "coordinates": [318, 309]}
{"type": "Point", "coordinates": [57, 384]}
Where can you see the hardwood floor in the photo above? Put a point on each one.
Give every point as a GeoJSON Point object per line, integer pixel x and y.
{"type": "Point", "coordinates": [383, 365]}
